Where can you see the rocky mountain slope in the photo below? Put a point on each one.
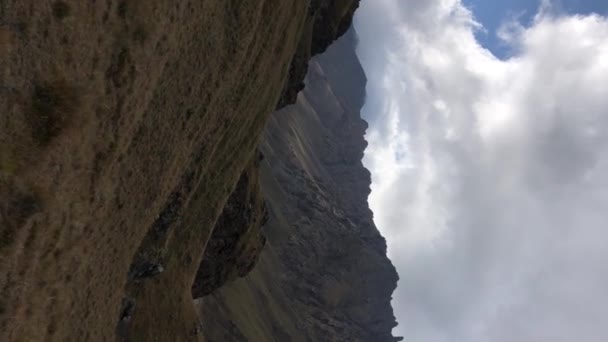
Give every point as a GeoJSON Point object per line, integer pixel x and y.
{"type": "Point", "coordinates": [125, 128]}
{"type": "Point", "coordinates": [323, 274]}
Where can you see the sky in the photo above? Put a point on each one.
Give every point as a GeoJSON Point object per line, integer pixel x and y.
{"type": "Point", "coordinates": [489, 162]}
{"type": "Point", "coordinates": [492, 14]}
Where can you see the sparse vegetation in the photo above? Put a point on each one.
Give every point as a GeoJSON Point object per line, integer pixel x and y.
{"type": "Point", "coordinates": [5, 40]}
{"type": "Point", "coordinates": [140, 35]}
{"type": "Point", "coordinates": [15, 138]}
{"type": "Point", "coordinates": [52, 105]}
{"type": "Point", "coordinates": [16, 205]}
{"type": "Point", "coordinates": [61, 9]}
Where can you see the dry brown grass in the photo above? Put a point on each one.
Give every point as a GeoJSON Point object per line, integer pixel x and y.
{"type": "Point", "coordinates": [52, 105]}
{"type": "Point", "coordinates": [186, 98]}
{"type": "Point", "coordinates": [5, 40]}
{"type": "Point", "coordinates": [61, 9]}
{"type": "Point", "coordinates": [30, 122]}
{"type": "Point", "coordinates": [17, 203]}
{"type": "Point", "coordinates": [15, 133]}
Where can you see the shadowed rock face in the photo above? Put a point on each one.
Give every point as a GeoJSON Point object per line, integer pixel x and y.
{"type": "Point", "coordinates": [327, 20]}
{"type": "Point", "coordinates": [324, 274]}
{"type": "Point", "coordinates": [237, 239]}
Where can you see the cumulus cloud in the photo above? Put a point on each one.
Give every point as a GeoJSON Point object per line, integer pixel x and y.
{"type": "Point", "coordinates": [489, 177]}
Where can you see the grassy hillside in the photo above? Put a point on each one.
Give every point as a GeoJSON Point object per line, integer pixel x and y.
{"type": "Point", "coordinates": [125, 126]}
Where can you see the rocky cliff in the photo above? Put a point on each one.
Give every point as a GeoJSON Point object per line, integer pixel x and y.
{"type": "Point", "coordinates": [324, 274]}
{"type": "Point", "coordinates": [325, 21]}
{"type": "Point", "coordinates": [125, 128]}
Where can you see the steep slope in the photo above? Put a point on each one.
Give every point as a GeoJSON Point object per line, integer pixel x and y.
{"type": "Point", "coordinates": [125, 127]}
{"type": "Point", "coordinates": [324, 274]}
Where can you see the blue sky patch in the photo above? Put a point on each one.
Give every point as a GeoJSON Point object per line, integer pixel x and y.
{"type": "Point", "coordinates": [492, 14]}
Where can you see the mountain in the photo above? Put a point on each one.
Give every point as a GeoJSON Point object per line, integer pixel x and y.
{"type": "Point", "coordinates": [323, 274]}
{"type": "Point", "coordinates": [130, 182]}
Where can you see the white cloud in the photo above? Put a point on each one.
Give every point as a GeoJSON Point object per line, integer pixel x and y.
{"type": "Point", "coordinates": [490, 176]}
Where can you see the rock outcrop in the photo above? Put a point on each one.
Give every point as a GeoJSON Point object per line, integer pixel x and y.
{"type": "Point", "coordinates": [324, 274]}
{"type": "Point", "coordinates": [237, 239]}
{"type": "Point", "coordinates": [326, 20]}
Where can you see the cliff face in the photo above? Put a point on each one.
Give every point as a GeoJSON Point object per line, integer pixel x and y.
{"type": "Point", "coordinates": [324, 274]}
{"type": "Point", "coordinates": [125, 127]}
{"type": "Point", "coordinates": [326, 20]}
{"type": "Point", "coordinates": [237, 240]}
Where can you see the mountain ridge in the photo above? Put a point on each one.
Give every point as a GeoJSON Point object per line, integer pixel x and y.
{"type": "Point", "coordinates": [321, 238]}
